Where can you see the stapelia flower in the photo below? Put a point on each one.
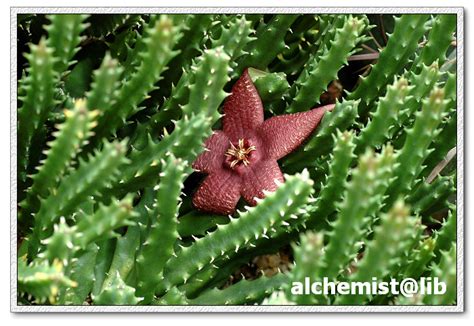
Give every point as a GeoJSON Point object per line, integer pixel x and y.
{"type": "Point", "coordinates": [241, 159]}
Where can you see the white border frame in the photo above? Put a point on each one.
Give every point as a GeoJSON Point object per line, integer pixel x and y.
{"type": "Point", "coordinates": [459, 11]}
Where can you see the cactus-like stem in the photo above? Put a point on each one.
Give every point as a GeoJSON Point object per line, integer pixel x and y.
{"type": "Point", "coordinates": [87, 180]}
{"type": "Point", "coordinates": [198, 224]}
{"type": "Point", "coordinates": [382, 254]}
{"type": "Point", "coordinates": [439, 39]}
{"type": "Point", "coordinates": [194, 30]}
{"type": "Point", "coordinates": [172, 297]}
{"type": "Point", "coordinates": [445, 237]}
{"type": "Point", "coordinates": [117, 293]}
{"type": "Point", "coordinates": [270, 86]}
{"type": "Point", "coordinates": [206, 93]}
{"type": "Point", "coordinates": [445, 271]}
{"type": "Point", "coordinates": [38, 100]}
{"type": "Point", "coordinates": [104, 261]}
{"type": "Point", "coordinates": [332, 189]}
{"type": "Point", "coordinates": [66, 241]}
{"type": "Point", "coordinates": [421, 85]}
{"type": "Point", "coordinates": [208, 71]}
{"type": "Point", "coordinates": [400, 47]}
{"type": "Point", "coordinates": [311, 83]}
{"type": "Point", "coordinates": [428, 195]}
{"type": "Point", "coordinates": [163, 233]}
{"type": "Point", "coordinates": [234, 37]}
{"type": "Point", "coordinates": [82, 272]}
{"type": "Point", "coordinates": [104, 221]}
{"type": "Point", "coordinates": [284, 203]}
{"type": "Point", "coordinates": [159, 51]}
{"type": "Point", "coordinates": [450, 87]}
{"type": "Point", "coordinates": [128, 246]}
{"type": "Point", "coordinates": [69, 138]}
{"type": "Point", "coordinates": [329, 25]}
{"type": "Point", "coordinates": [103, 25]}
{"type": "Point", "coordinates": [268, 43]}
{"type": "Point", "coordinates": [389, 108]}
{"type": "Point", "coordinates": [201, 280]}
{"type": "Point", "coordinates": [446, 140]}
{"type": "Point", "coordinates": [186, 140]}
{"type": "Point", "coordinates": [244, 292]}
{"type": "Point", "coordinates": [308, 258]}
{"type": "Point", "coordinates": [60, 245]}
{"type": "Point", "coordinates": [42, 280]}
{"type": "Point", "coordinates": [301, 43]}
{"type": "Point", "coordinates": [419, 260]}
{"type": "Point", "coordinates": [64, 37]}
{"type": "Point", "coordinates": [415, 149]}
{"type": "Point", "coordinates": [362, 195]}
{"type": "Point", "coordinates": [103, 93]}
{"type": "Point", "coordinates": [130, 43]}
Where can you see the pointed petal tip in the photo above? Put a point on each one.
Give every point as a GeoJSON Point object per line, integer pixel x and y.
{"type": "Point", "coordinates": [243, 108]}
{"type": "Point", "coordinates": [218, 193]}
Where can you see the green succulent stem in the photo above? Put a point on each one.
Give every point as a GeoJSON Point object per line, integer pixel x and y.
{"type": "Point", "coordinates": [114, 109]}
{"type": "Point", "coordinates": [159, 43]}
{"type": "Point", "coordinates": [158, 247]}
{"type": "Point", "coordinates": [360, 199]}
{"type": "Point", "coordinates": [439, 40]}
{"type": "Point", "coordinates": [392, 237]}
{"type": "Point", "coordinates": [402, 43]}
{"type": "Point", "coordinates": [87, 180]}
{"type": "Point", "coordinates": [244, 292]}
{"type": "Point", "coordinates": [64, 38]}
{"type": "Point", "coordinates": [294, 192]}
{"type": "Point", "coordinates": [69, 138]}
{"type": "Point", "coordinates": [316, 77]}
{"type": "Point", "coordinates": [267, 44]}
{"type": "Point", "coordinates": [389, 108]}
{"type": "Point", "coordinates": [37, 101]}
{"type": "Point", "coordinates": [415, 148]}
{"type": "Point", "coordinates": [332, 188]}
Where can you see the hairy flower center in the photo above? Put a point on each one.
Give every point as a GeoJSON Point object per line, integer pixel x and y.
{"type": "Point", "coordinates": [240, 153]}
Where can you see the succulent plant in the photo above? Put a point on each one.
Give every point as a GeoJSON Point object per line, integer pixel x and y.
{"type": "Point", "coordinates": [115, 110]}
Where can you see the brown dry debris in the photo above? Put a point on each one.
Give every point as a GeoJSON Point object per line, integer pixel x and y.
{"type": "Point", "coordinates": [267, 265]}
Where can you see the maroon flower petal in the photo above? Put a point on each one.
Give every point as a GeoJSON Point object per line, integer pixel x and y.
{"type": "Point", "coordinates": [218, 193]}
{"type": "Point", "coordinates": [243, 109]}
{"type": "Point", "coordinates": [284, 133]}
{"type": "Point", "coordinates": [214, 153]}
{"type": "Point", "coordinates": [260, 177]}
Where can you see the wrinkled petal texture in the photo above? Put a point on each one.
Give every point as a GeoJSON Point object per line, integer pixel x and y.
{"type": "Point", "coordinates": [218, 193]}
{"type": "Point", "coordinates": [273, 139]}
{"type": "Point", "coordinates": [243, 109]}
{"type": "Point", "coordinates": [284, 133]}
{"type": "Point", "coordinates": [210, 160]}
{"type": "Point", "coordinates": [260, 177]}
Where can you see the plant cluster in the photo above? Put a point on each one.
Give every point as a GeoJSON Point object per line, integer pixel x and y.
{"type": "Point", "coordinates": [114, 109]}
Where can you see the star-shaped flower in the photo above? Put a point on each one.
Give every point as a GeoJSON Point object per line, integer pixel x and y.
{"type": "Point", "coordinates": [241, 159]}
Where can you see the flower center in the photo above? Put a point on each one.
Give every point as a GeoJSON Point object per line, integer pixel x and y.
{"type": "Point", "coordinates": [239, 154]}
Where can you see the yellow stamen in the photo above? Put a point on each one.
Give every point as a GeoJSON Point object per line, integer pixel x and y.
{"type": "Point", "coordinates": [240, 153]}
